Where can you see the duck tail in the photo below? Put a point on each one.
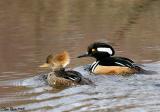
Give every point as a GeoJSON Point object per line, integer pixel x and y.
{"type": "Point", "coordinates": [143, 71]}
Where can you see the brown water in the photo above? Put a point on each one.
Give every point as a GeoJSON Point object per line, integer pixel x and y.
{"type": "Point", "coordinates": [30, 30]}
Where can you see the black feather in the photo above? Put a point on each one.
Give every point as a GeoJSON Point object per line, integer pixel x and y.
{"type": "Point", "coordinates": [117, 61]}
{"type": "Point", "coordinates": [73, 75]}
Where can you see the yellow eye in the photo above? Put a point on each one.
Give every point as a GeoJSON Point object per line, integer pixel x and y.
{"type": "Point", "coordinates": [93, 50]}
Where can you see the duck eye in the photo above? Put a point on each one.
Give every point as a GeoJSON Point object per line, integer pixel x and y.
{"type": "Point", "coordinates": [93, 50]}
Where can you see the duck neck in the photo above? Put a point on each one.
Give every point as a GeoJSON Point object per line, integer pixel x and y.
{"type": "Point", "coordinates": [101, 56]}
{"type": "Point", "coordinates": [99, 59]}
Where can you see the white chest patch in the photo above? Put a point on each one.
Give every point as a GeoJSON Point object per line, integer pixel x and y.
{"type": "Point", "coordinates": [94, 65]}
{"type": "Point", "coordinates": [104, 49]}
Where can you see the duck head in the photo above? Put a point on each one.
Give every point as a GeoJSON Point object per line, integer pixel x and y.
{"type": "Point", "coordinates": [57, 62]}
{"type": "Point", "coordinates": [98, 50]}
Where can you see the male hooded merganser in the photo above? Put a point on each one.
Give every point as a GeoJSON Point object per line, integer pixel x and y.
{"type": "Point", "coordinates": [59, 76]}
{"type": "Point", "coordinates": [107, 64]}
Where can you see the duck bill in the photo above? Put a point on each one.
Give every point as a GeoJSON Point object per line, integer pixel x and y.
{"type": "Point", "coordinates": [84, 55]}
{"type": "Point", "coordinates": [45, 65]}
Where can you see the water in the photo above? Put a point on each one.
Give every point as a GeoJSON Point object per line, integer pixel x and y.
{"type": "Point", "coordinates": [31, 30]}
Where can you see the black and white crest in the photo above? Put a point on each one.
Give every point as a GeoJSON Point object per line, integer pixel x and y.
{"type": "Point", "coordinates": [101, 48]}
{"type": "Point", "coordinates": [104, 49]}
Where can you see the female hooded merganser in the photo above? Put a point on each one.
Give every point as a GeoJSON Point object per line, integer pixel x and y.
{"type": "Point", "coordinates": [107, 64]}
{"type": "Point", "coordinates": [59, 76]}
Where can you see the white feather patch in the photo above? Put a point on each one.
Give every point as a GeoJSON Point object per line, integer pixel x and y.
{"type": "Point", "coordinates": [104, 49]}
{"type": "Point", "coordinates": [119, 63]}
{"type": "Point", "coordinates": [94, 66]}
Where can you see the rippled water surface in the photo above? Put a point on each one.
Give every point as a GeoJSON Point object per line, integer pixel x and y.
{"type": "Point", "coordinates": [31, 30]}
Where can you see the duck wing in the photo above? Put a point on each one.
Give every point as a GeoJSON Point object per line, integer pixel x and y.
{"type": "Point", "coordinates": [117, 61]}
{"type": "Point", "coordinates": [73, 75]}
{"type": "Point", "coordinates": [131, 61]}
{"type": "Point", "coordinates": [123, 58]}
{"type": "Point", "coordinates": [78, 78]}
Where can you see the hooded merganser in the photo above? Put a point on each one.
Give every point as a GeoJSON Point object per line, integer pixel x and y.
{"type": "Point", "coordinates": [107, 64]}
{"type": "Point", "coordinates": [59, 76]}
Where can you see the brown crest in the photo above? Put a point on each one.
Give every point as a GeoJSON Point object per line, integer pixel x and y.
{"type": "Point", "coordinates": [62, 58]}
